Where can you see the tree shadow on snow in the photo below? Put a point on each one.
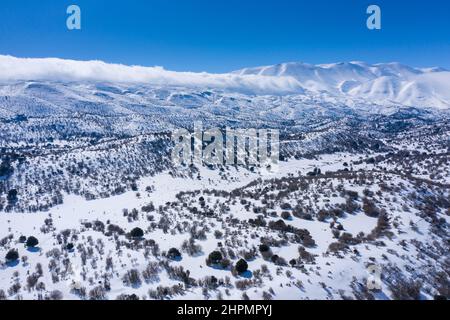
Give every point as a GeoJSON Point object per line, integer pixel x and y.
{"type": "Point", "coordinates": [12, 264]}
{"type": "Point", "coordinates": [247, 274]}
{"type": "Point", "coordinates": [176, 259]}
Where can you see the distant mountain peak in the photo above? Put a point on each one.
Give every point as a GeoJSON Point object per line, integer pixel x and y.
{"type": "Point", "coordinates": [392, 81]}
{"type": "Point", "coordinates": [377, 83]}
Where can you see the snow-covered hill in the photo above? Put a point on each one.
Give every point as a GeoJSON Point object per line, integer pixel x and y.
{"type": "Point", "coordinates": [379, 83]}
{"type": "Point", "coordinates": [92, 207]}
{"type": "Point", "coordinates": [376, 83]}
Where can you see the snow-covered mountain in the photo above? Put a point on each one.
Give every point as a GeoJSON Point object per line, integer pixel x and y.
{"type": "Point", "coordinates": [379, 82]}
{"type": "Point", "coordinates": [93, 207]}
{"type": "Point", "coordinates": [389, 83]}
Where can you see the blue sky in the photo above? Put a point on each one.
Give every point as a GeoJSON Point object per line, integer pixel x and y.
{"type": "Point", "coordinates": [225, 35]}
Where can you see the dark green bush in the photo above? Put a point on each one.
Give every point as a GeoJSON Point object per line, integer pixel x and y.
{"type": "Point", "coordinates": [137, 233]}
{"type": "Point", "coordinates": [12, 255]}
{"type": "Point", "coordinates": [214, 257]}
{"type": "Point", "coordinates": [174, 253]}
{"type": "Point", "coordinates": [241, 266]}
{"type": "Point", "coordinates": [32, 242]}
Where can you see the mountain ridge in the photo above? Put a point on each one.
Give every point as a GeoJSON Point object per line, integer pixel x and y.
{"type": "Point", "coordinates": [383, 83]}
{"type": "Point", "coordinates": [377, 82]}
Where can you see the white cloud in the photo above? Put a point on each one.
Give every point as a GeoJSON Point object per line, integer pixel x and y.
{"type": "Point", "coordinates": [53, 69]}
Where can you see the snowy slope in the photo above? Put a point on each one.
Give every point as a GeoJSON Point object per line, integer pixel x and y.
{"type": "Point", "coordinates": [85, 159]}
{"type": "Point", "coordinates": [378, 83]}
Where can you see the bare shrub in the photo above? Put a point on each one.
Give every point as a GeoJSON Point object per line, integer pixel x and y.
{"type": "Point", "coordinates": [132, 278]}
{"type": "Point", "coordinates": [97, 293]}
{"type": "Point", "coordinates": [191, 248]}
{"type": "Point", "coordinates": [56, 295]}
{"type": "Point", "coordinates": [151, 272]}
{"type": "Point", "coordinates": [403, 289]}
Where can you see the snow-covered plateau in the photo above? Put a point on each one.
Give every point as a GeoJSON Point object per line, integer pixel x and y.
{"type": "Point", "coordinates": [92, 207]}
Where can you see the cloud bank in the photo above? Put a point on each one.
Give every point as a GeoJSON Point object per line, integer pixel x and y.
{"type": "Point", "coordinates": [53, 69]}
